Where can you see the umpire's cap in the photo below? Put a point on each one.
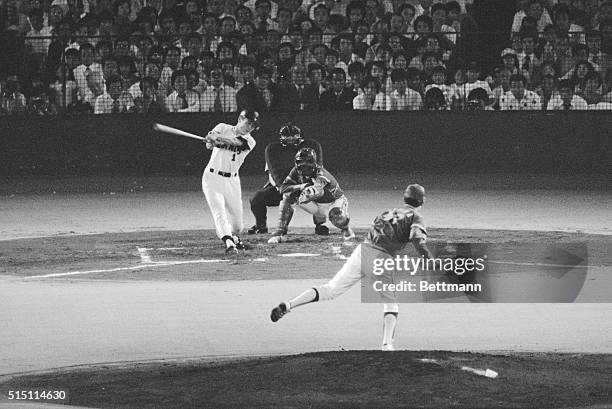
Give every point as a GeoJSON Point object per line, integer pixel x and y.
{"type": "Point", "coordinates": [414, 195]}
{"type": "Point", "coordinates": [251, 115]}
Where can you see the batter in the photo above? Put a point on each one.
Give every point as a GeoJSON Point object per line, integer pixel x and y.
{"type": "Point", "coordinates": [230, 145]}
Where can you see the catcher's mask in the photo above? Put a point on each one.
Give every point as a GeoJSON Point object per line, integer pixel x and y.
{"type": "Point", "coordinates": [306, 162]}
{"type": "Point", "coordinates": [290, 135]}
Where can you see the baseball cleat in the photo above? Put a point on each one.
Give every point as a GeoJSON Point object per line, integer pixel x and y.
{"type": "Point", "coordinates": [388, 347]}
{"type": "Point", "coordinates": [348, 234]}
{"type": "Point", "coordinates": [321, 230]}
{"type": "Point", "coordinates": [276, 239]}
{"type": "Point", "coordinates": [239, 244]}
{"type": "Point", "coordinates": [231, 250]}
{"type": "Point", "coordinates": [278, 312]}
{"type": "Point", "coordinates": [257, 230]}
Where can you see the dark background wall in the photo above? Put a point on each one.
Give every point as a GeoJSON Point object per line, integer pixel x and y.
{"type": "Point", "coordinates": [577, 142]}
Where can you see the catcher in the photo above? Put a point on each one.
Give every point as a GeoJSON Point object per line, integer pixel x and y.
{"type": "Point", "coordinates": [279, 162]}
{"type": "Point", "coordinates": [314, 189]}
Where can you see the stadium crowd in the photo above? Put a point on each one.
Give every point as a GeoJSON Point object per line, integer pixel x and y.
{"type": "Point", "coordinates": [100, 56]}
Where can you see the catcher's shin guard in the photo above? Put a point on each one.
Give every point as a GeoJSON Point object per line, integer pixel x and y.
{"type": "Point", "coordinates": [339, 217]}
{"type": "Point", "coordinates": [285, 214]}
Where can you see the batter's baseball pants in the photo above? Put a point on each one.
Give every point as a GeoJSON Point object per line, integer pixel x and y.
{"type": "Point", "coordinates": [224, 198]}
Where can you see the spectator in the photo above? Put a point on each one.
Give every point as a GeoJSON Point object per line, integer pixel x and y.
{"type": "Point", "coordinates": [438, 80]}
{"type": "Point", "coordinates": [473, 81]}
{"type": "Point", "coordinates": [355, 11]}
{"type": "Point", "coordinates": [563, 20]}
{"type": "Point", "coordinates": [94, 88]}
{"type": "Point", "coordinates": [292, 96]}
{"type": "Point", "coordinates": [182, 99]}
{"type": "Point", "coordinates": [519, 98]}
{"type": "Point", "coordinates": [534, 9]}
{"type": "Point", "coordinates": [593, 93]}
{"type": "Point", "coordinates": [35, 38]}
{"type": "Point", "coordinates": [547, 90]}
{"type": "Point", "coordinates": [402, 97]}
{"type": "Point", "coordinates": [415, 80]}
{"type": "Point", "coordinates": [356, 74]}
{"type": "Point", "coordinates": [321, 21]}
{"type": "Point", "coordinates": [372, 98]}
{"type": "Point", "coordinates": [579, 75]}
{"type": "Point", "coordinates": [594, 48]}
{"type": "Point", "coordinates": [435, 101]}
{"type": "Point", "coordinates": [285, 58]}
{"type": "Point", "coordinates": [170, 65]}
{"type": "Point", "coordinates": [528, 60]}
{"type": "Point", "coordinates": [218, 97]}
{"type": "Point", "coordinates": [148, 101]}
{"type": "Point", "coordinates": [87, 65]}
{"type": "Point", "coordinates": [316, 87]}
{"type": "Point", "coordinates": [12, 101]}
{"type": "Point", "coordinates": [478, 100]}
{"type": "Point", "coordinates": [346, 55]}
{"type": "Point", "coordinates": [116, 100]}
{"type": "Point", "coordinates": [261, 96]}
{"type": "Point", "coordinates": [263, 15]}
{"type": "Point", "coordinates": [399, 60]}
{"type": "Point", "coordinates": [503, 85]}
{"type": "Point", "coordinates": [247, 75]}
{"type": "Point", "coordinates": [339, 97]}
{"type": "Point", "coordinates": [193, 81]}
{"type": "Point", "coordinates": [63, 88]}
{"type": "Point", "coordinates": [284, 19]}
{"type": "Point", "coordinates": [151, 70]}
{"type": "Point", "coordinates": [564, 59]}
{"type": "Point", "coordinates": [439, 17]}
{"type": "Point", "coordinates": [39, 102]}
{"type": "Point", "coordinates": [408, 12]}
{"type": "Point", "coordinates": [566, 98]}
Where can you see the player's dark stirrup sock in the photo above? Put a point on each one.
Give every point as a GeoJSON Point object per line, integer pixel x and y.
{"type": "Point", "coordinates": [229, 243]}
{"type": "Point", "coordinates": [316, 295]}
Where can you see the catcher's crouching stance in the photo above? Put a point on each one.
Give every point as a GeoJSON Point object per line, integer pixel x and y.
{"type": "Point", "coordinates": [315, 190]}
{"type": "Point", "coordinates": [390, 232]}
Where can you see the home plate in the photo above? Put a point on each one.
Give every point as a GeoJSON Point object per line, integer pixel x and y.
{"type": "Point", "coordinates": [300, 255]}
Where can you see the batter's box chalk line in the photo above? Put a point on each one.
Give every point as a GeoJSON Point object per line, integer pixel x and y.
{"type": "Point", "coordinates": [149, 264]}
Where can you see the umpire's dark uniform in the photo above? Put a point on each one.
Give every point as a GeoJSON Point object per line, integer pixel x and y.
{"type": "Point", "coordinates": [279, 162]}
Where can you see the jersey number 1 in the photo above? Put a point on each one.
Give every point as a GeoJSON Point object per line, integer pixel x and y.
{"type": "Point", "coordinates": [234, 157]}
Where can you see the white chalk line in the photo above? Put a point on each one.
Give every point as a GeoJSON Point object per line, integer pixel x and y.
{"type": "Point", "coordinates": [153, 264]}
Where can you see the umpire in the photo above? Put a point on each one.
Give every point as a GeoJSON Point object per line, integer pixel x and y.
{"type": "Point", "coordinates": [279, 162]}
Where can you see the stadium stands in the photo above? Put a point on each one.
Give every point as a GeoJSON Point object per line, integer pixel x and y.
{"type": "Point", "coordinates": [134, 56]}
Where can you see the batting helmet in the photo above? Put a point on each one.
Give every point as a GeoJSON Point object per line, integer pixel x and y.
{"type": "Point", "coordinates": [306, 161]}
{"type": "Point", "coordinates": [414, 195]}
{"type": "Point", "coordinates": [290, 134]}
{"type": "Point", "coordinates": [252, 116]}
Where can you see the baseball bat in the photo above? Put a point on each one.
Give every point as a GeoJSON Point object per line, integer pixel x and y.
{"type": "Point", "coordinates": [168, 129]}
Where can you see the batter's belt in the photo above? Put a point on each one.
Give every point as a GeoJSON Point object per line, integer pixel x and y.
{"type": "Point", "coordinates": [224, 174]}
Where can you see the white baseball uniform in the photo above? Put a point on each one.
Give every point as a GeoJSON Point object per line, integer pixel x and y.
{"type": "Point", "coordinates": [221, 182]}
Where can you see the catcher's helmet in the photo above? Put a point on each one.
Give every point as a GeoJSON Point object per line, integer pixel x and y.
{"type": "Point", "coordinates": [290, 134]}
{"type": "Point", "coordinates": [306, 161]}
{"type": "Point", "coordinates": [414, 195]}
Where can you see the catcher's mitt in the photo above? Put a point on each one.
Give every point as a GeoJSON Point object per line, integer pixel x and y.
{"type": "Point", "coordinates": [310, 193]}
